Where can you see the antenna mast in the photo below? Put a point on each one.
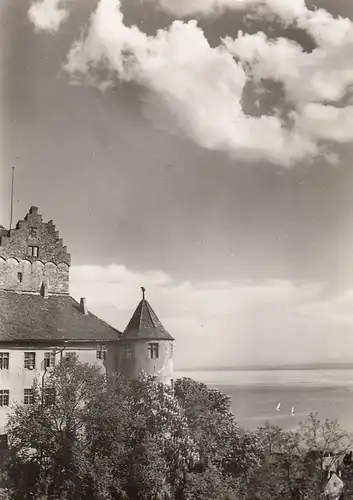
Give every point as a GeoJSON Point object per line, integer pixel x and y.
{"type": "Point", "coordinates": [12, 188]}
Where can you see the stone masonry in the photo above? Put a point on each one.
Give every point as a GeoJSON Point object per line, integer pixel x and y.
{"type": "Point", "coordinates": [33, 256]}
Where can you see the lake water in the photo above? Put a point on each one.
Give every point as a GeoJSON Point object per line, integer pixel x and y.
{"type": "Point", "coordinates": [255, 394]}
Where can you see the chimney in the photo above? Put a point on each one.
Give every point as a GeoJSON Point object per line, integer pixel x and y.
{"type": "Point", "coordinates": [44, 290]}
{"type": "Point", "coordinates": [83, 306]}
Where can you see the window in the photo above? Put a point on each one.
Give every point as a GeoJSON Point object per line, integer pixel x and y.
{"type": "Point", "coordinates": [4, 397]}
{"type": "Point", "coordinates": [33, 232]}
{"type": "Point", "coordinates": [4, 360]}
{"type": "Point", "coordinates": [101, 352]}
{"type": "Point", "coordinates": [153, 350]}
{"type": "Point", "coordinates": [49, 360]}
{"type": "Point", "coordinates": [127, 351]}
{"type": "Point", "coordinates": [28, 398]}
{"type": "Point", "coordinates": [20, 277]}
{"type": "Point", "coordinates": [32, 251]}
{"type": "Point", "coordinates": [171, 349]}
{"type": "Point", "coordinates": [30, 360]}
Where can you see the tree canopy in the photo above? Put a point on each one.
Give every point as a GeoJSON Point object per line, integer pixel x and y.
{"type": "Point", "coordinates": [89, 437]}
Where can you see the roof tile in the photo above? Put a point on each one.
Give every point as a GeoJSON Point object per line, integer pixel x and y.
{"type": "Point", "coordinates": [33, 317]}
{"type": "Point", "coordinates": [145, 325]}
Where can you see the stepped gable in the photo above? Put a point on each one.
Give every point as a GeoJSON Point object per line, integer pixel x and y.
{"type": "Point", "coordinates": [33, 232]}
{"type": "Point", "coordinates": [30, 317]}
{"type": "Point", "coordinates": [145, 325]}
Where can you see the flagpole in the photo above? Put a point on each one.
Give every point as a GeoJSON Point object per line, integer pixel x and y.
{"type": "Point", "coordinates": [12, 189]}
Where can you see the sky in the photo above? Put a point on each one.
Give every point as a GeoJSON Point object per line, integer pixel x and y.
{"type": "Point", "coordinates": [199, 148]}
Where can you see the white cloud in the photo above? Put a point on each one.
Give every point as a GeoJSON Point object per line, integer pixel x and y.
{"type": "Point", "coordinates": [286, 10]}
{"type": "Point", "coordinates": [179, 66]}
{"type": "Point", "coordinates": [196, 90]}
{"type": "Point", "coordinates": [225, 323]}
{"type": "Point", "coordinates": [324, 28]}
{"type": "Point", "coordinates": [48, 15]}
{"type": "Point", "coordinates": [322, 75]}
{"type": "Point", "coordinates": [328, 122]}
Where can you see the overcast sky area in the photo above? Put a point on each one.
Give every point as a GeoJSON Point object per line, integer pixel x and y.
{"type": "Point", "coordinates": [200, 148]}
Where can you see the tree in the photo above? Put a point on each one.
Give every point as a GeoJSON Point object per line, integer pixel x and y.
{"type": "Point", "coordinates": [210, 484]}
{"type": "Point", "coordinates": [162, 420]}
{"type": "Point", "coordinates": [89, 437]}
{"type": "Point", "coordinates": [137, 443]}
{"type": "Point", "coordinates": [291, 464]}
{"type": "Point", "coordinates": [219, 440]}
{"type": "Point", "coordinates": [326, 445]}
{"type": "Point", "coordinates": [43, 436]}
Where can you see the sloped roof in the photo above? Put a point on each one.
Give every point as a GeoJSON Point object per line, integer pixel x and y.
{"type": "Point", "coordinates": [35, 318]}
{"type": "Point", "coordinates": [145, 325]}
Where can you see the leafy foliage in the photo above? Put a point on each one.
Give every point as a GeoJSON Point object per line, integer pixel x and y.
{"type": "Point", "coordinates": [93, 438]}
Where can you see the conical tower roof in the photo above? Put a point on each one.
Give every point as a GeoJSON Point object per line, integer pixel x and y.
{"type": "Point", "coordinates": [144, 324]}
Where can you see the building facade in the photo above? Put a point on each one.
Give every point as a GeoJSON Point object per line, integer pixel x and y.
{"type": "Point", "coordinates": [40, 322]}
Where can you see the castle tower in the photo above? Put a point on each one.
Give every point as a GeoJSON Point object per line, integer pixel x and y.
{"type": "Point", "coordinates": [33, 257]}
{"type": "Point", "coordinates": [39, 321]}
{"type": "Point", "coordinates": [145, 345]}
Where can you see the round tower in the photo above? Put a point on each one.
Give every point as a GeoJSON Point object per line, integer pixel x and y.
{"type": "Point", "coordinates": [145, 345]}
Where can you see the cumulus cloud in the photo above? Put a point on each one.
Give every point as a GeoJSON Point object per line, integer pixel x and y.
{"type": "Point", "coordinates": [328, 122]}
{"type": "Point", "coordinates": [322, 75]}
{"type": "Point", "coordinates": [197, 90]}
{"type": "Point", "coordinates": [284, 9]}
{"type": "Point", "coordinates": [226, 323]}
{"type": "Point", "coordinates": [319, 23]}
{"type": "Point", "coordinates": [179, 65]}
{"type": "Point", "coordinates": [48, 15]}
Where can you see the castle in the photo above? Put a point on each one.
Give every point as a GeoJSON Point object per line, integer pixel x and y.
{"type": "Point", "coordinates": [40, 321]}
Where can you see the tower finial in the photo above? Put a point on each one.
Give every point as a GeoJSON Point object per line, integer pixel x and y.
{"type": "Point", "coordinates": [143, 292]}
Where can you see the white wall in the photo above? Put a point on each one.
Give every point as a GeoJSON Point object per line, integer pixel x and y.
{"type": "Point", "coordinates": [17, 378]}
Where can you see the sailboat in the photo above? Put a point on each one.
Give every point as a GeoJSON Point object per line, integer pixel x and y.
{"type": "Point", "coordinates": [278, 406]}
{"type": "Point", "coordinates": [292, 412]}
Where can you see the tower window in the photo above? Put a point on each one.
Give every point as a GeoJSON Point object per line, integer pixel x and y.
{"type": "Point", "coordinates": [171, 349]}
{"type": "Point", "coordinates": [127, 351]}
{"type": "Point", "coordinates": [28, 397]}
{"type": "Point", "coordinates": [101, 352]}
{"type": "Point", "coordinates": [30, 360]}
{"type": "Point", "coordinates": [153, 350]}
{"type": "Point", "coordinates": [32, 251]}
{"type": "Point", "coordinates": [4, 360]}
{"type": "Point", "coordinates": [20, 277]}
{"type": "Point", "coordinates": [4, 397]}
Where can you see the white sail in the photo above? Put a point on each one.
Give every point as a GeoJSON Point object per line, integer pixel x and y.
{"type": "Point", "coordinates": [292, 412]}
{"type": "Point", "coordinates": [278, 406]}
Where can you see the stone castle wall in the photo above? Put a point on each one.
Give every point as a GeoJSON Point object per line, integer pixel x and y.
{"type": "Point", "coordinates": [33, 254]}
{"type": "Point", "coordinates": [26, 276]}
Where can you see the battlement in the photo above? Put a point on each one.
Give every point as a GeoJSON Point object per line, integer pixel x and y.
{"type": "Point", "coordinates": [32, 254]}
